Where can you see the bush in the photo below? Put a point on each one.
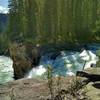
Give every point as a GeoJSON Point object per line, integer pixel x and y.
{"type": "Point", "coordinates": [75, 91]}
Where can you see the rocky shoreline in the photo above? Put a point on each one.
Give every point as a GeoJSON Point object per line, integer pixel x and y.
{"type": "Point", "coordinates": [37, 89]}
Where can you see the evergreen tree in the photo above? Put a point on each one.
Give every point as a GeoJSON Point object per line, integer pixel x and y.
{"type": "Point", "coordinates": [55, 21]}
{"type": "Point", "coordinates": [30, 15]}
{"type": "Point", "coordinates": [13, 29]}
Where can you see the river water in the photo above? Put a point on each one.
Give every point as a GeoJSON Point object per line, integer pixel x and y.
{"type": "Point", "coordinates": [6, 69]}
{"type": "Point", "coordinates": [66, 63]}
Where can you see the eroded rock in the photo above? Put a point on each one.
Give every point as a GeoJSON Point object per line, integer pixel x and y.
{"type": "Point", "coordinates": [25, 57]}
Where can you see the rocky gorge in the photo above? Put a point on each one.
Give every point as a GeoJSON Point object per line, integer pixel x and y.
{"type": "Point", "coordinates": [65, 62]}
{"type": "Point", "coordinates": [29, 70]}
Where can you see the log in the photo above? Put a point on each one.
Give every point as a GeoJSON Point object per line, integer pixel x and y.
{"type": "Point", "coordinates": [90, 77]}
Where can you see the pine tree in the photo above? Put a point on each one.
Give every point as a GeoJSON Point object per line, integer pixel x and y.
{"type": "Point", "coordinates": [30, 15]}
{"type": "Point", "coordinates": [13, 19]}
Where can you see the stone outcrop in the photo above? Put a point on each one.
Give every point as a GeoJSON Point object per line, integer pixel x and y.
{"type": "Point", "coordinates": [28, 89]}
{"type": "Point", "coordinates": [37, 89]}
{"type": "Point", "coordinates": [24, 89]}
{"type": "Point", "coordinates": [24, 58]}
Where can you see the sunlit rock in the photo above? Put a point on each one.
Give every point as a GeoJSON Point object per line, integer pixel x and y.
{"type": "Point", "coordinates": [6, 69]}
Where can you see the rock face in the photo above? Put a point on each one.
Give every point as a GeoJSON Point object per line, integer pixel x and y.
{"type": "Point", "coordinates": [24, 57]}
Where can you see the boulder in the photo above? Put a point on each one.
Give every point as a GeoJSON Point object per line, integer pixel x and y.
{"type": "Point", "coordinates": [93, 82]}
{"type": "Point", "coordinates": [24, 58]}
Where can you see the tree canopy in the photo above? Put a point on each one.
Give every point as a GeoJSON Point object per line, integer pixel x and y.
{"type": "Point", "coordinates": [54, 21]}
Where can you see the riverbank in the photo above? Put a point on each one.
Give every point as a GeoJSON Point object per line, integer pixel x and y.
{"type": "Point", "coordinates": [37, 89]}
{"type": "Point", "coordinates": [28, 61]}
{"type": "Point", "coordinates": [29, 89]}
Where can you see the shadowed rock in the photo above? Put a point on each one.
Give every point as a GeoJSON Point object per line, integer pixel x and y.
{"type": "Point", "coordinates": [91, 77]}
{"type": "Point", "coordinates": [25, 57]}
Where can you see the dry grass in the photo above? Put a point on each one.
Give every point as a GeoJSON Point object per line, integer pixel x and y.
{"type": "Point", "coordinates": [75, 91]}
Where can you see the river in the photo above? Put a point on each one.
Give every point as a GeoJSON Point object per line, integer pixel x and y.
{"type": "Point", "coordinates": [64, 64]}
{"type": "Point", "coordinates": [67, 62]}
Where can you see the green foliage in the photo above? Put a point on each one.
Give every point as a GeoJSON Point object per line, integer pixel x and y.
{"type": "Point", "coordinates": [0, 27]}
{"type": "Point", "coordinates": [55, 21]}
{"type": "Point", "coordinates": [4, 42]}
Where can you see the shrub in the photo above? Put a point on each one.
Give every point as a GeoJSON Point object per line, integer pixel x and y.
{"type": "Point", "coordinates": [75, 91]}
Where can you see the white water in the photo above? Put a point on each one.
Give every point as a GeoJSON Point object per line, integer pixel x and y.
{"type": "Point", "coordinates": [68, 63]}
{"type": "Point", "coordinates": [89, 57]}
{"type": "Point", "coordinates": [6, 69]}
{"type": "Point", "coordinates": [36, 72]}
